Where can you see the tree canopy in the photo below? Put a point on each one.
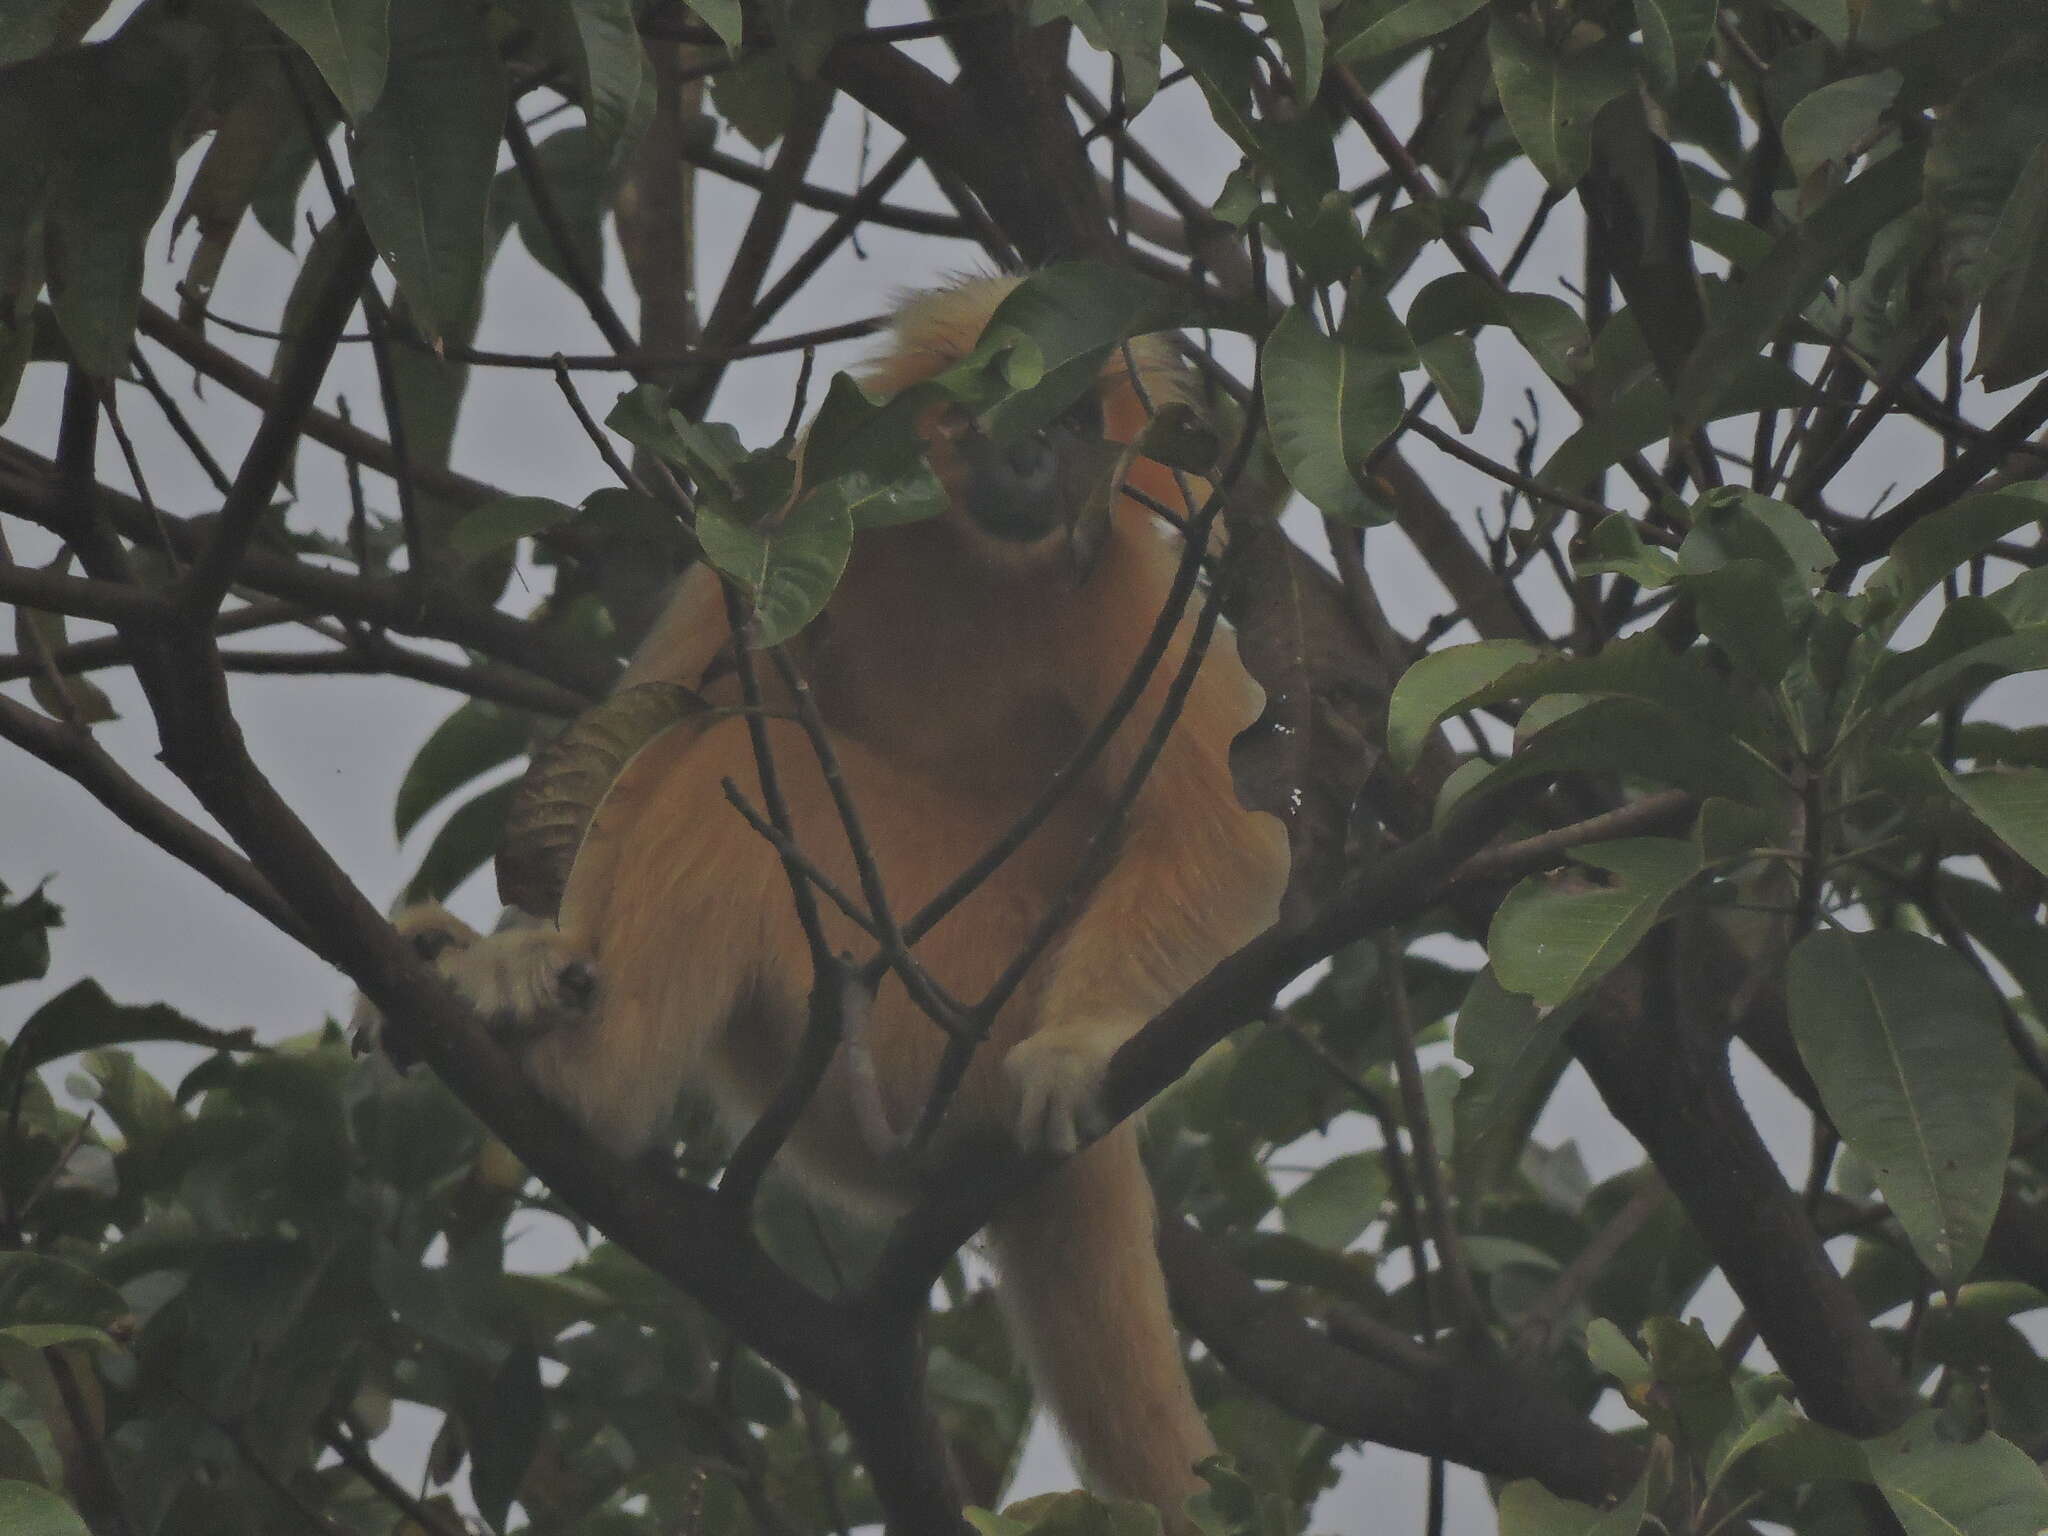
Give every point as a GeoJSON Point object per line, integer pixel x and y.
{"type": "Point", "coordinates": [1711, 748]}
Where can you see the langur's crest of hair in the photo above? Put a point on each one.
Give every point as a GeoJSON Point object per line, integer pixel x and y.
{"type": "Point", "coordinates": [932, 330]}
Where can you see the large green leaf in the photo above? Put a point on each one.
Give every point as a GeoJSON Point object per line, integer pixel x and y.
{"type": "Point", "coordinates": [1550, 328]}
{"type": "Point", "coordinates": [349, 42]}
{"type": "Point", "coordinates": [576, 167]}
{"type": "Point", "coordinates": [1831, 237]}
{"type": "Point", "coordinates": [1675, 36]}
{"type": "Point", "coordinates": [1551, 99]}
{"type": "Point", "coordinates": [1337, 1202]}
{"type": "Point", "coordinates": [1937, 545]}
{"type": "Point", "coordinates": [83, 1018]}
{"type": "Point", "coordinates": [1516, 1051]}
{"type": "Point", "coordinates": [1836, 120]}
{"type": "Point", "coordinates": [1329, 403]}
{"type": "Point", "coordinates": [476, 738]}
{"type": "Point", "coordinates": [1298, 25]}
{"type": "Point", "coordinates": [92, 137]}
{"type": "Point", "coordinates": [1132, 31]}
{"type": "Point", "coordinates": [1530, 1509]}
{"type": "Point", "coordinates": [1440, 684]}
{"type": "Point", "coordinates": [26, 1510]}
{"type": "Point", "coordinates": [501, 524]}
{"type": "Point", "coordinates": [25, 935]}
{"type": "Point", "coordinates": [1552, 939]}
{"type": "Point", "coordinates": [1940, 1487]}
{"type": "Point", "coordinates": [1642, 414]}
{"type": "Point", "coordinates": [2012, 325]}
{"type": "Point", "coordinates": [618, 82]}
{"type": "Point", "coordinates": [2012, 802]}
{"type": "Point", "coordinates": [1387, 25]}
{"type": "Point", "coordinates": [463, 845]}
{"type": "Point", "coordinates": [1903, 1038]}
{"type": "Point", "coordinates": [425, 156]}
{"type": "Point", "coordinates": [788, 571]}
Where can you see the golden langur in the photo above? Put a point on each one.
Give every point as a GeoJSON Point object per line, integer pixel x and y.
{"type": "Point", "coordinates": [957, 665]}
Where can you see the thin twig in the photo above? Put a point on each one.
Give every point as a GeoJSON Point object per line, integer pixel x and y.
{"type": "Point", "coordinates": [357, 1457]}
{"type": "Point", "coordinates": [1429, 1178]}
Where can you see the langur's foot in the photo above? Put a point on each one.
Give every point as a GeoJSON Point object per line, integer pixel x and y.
{"type": "Point", "coordinates": [1057, 1074]}
{"type": "Point", "coordinates": [523, 982]}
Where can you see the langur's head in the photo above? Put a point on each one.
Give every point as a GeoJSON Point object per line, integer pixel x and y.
{"type": "Point", "coordinates": [1040, 498]}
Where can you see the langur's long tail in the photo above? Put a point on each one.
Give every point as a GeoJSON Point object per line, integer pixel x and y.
{"type": "Point", "coordinates": [1079, 1277]}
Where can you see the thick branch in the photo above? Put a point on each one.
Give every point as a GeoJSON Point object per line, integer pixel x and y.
{"type": "Point", "coordinates": [1673, 1092]}
{"type": "Point", "coordinates": [263, 465]}
{"type": "Point", "coordinates": [1488, 1417]}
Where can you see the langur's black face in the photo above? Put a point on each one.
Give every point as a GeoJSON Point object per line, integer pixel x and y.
{"type": "Point", "coordinates": [1037, 491]}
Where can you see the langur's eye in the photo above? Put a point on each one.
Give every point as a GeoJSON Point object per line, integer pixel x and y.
{"type": "Point", "coordinates": [1030, 458]}
{"type": "Point", "coordinates": [1085, 415]}
{"type": "Point", "coordinates": [431, 943]}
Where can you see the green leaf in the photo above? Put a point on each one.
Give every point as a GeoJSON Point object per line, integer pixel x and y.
{"type": "Point", "coordinates": [1937, 545]}
{"type": "Point", "coordinates": [1778, 1418]}
{"type": "Point", "coordinates": [83, 1018]}
{"type": "Point", "coordinates": [1452, 363]}
{"type": "Point", "coordinates": [1328, 405]}
{"type": "Point", "coordinates": [1903, 1038]}
{"type": "Point", "coordinates": [463, 845]}
{"type": "Point", "coordinates": [1829, 17]}
{"type": "Point", "coordinates": [1828, 124]}
{"type": "Point", "coordinates": [1613, 1355]}
{"type": "Point", "coordinates": [1391, 24]}
{"type": "Point", "coordinates": [576, 167]}
{"type": "Point", "coordinates": [40, 1292]}
{"type": "Point", "coordinates": [1337, 1202]}
{"type": "Point", "coordinates": [1440, 683]}
{"type": "Point", "coordinates": [1676, 34]}
{"type": "Point", "coordinates": [724, 17]}
{"type": "Point", "coordinates": [476, 738]}
{"type": "Point", "coordinates": [1551, 99]}
{"type": "Point", "coordinates": [1616, 547]}
{"type": "Point", "coordinates": [2012, 326]}
{"type": "Point", "coordinates": [2011, 802]}
{"type": "Point", "coordinates": [505, 1425]}
{"type": "Point", "coordinates": [1131, 31]}
{"type": "Point", "coordinates": [617, 80]}
{"type": "Point", "coordinates": [1551, 329]}
{"type": "Point", "coordinates": [503, 523]}
{"type": "Point", "coordinates": [1530, 1509]}
{"type": "Point", "coordinates": [1049, 338]}
{"type": "Point", "coordinates": [789, 571]}
{"type": "Point", "coordinates": [1642, 414]}
{"type": "Point", "coordinates": [1987, 1487]}
{"type": "Point", "coordinates": [349, 42]}
{"type": "Point", "coordinates": [1833, 236]}
{"type": "Point", "coordinates": [37, 26]}
{"type": "Point", "coordinates": [25, 935]}
{"type": "Point", "coordinates": [98, 128]}
{"type": "Point", "coordinates": [870, 503]}
{"type": "Point", "coordinates": [26, 1510]}
{"type": "Point", "coordinates": [425, 156]}
{"type": "Point", "coordinates": [1298, 24]}
{"type": "Point", "coordinates": [1517, 1052]}
{"type": "Point", "coordinates": [1551, 940]}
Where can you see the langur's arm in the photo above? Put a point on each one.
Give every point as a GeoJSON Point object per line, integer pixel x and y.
{"type": "Point", "coordinates": [1196, 877]}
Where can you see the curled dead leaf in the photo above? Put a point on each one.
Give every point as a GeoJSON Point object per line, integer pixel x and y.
{"type": "Point", "coordinates": [567, 782]}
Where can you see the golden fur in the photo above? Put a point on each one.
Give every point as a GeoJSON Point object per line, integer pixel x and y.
{"type": "Point", "coordinates": [954, 677]}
